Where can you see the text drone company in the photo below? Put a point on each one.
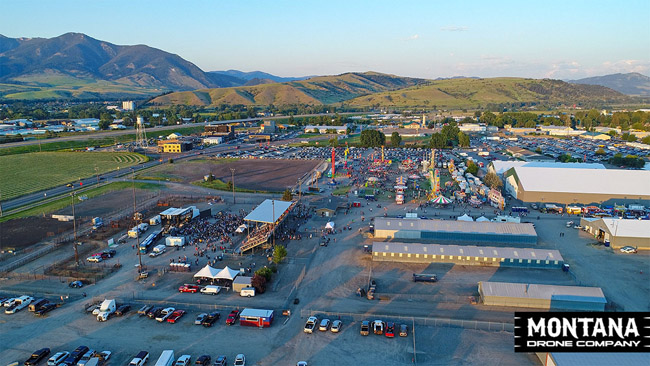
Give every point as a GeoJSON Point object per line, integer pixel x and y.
{"type": "Point", "coordinates": [575, 332]}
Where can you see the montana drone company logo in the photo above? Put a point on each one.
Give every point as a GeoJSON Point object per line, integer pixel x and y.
{"type": "Point", "coordinates": [582, 332]}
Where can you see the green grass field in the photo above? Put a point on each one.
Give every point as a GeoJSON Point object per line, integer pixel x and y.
{"type": "Point", "coordinates": [65, 201]}
{"type": "Point", "coordinates": [27, 173]}
{"type": "Point", "coordinates": [220, 185]}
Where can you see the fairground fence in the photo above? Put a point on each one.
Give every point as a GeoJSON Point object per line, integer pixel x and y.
{"type": "Point", "coordinates": [425, 321]}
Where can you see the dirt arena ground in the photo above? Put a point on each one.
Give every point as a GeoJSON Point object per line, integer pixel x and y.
{"type": "Point", "coordinates": [255, 174]}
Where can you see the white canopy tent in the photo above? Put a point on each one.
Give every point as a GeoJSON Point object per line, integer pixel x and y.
{"type": "Point", "coordinates": [482, 219]}
{"type": "Point", "coordinates": [330, 225]}
{"type": "Point", "coordinates": [227, 274]}
{"type": "Point", "coordinates": [241, 228]}
{"type": "Point", "coordinates": [207, 272]}
{"type": "Point", "coordinates": [465, 217]}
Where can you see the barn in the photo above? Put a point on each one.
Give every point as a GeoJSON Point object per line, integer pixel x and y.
{"type": "Point", "coordinates": [466, 255]}
{"type": "Point", "coordinates": [548, 297]}
{"type": "Point", "coordinates": [456, 231]}
{"type": "Point", "coordinates": [619, 232]}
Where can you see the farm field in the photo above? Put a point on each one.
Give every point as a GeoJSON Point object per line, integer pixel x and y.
{"type": "Point", "coordinates": [27, 173]}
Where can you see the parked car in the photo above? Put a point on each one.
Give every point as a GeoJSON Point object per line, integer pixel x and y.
{"type": "Point", "coordinates": [403, 330]}
{"type": "Point", "coordinates": [145, 309]}
{"type": "Point", "coordinates": [220, 361]}
{"type": "Point", "coordinates": [240, 360]}
{"type": "Point", "coordinates": [203, 360]}
{"type": "Point", "coordinates": [177, 314]}
{"type": "Point", "coordinates": [189, 288]}
{"type": "Point", "coordinates": [86, 357]}
{"type": "Point", "coordinates": [232, 317]}
{"type": "Point", "coordinates": [164, 314]}
{"type": "Point", "coordinates": [211, 319]}
{"type": "Point", "coordinates": [390, 330]}
{"type": "Point", "coordinates": [184, 360]}
{"type": "Point", "coordinates": [324, 325]}
{"type": "Point", "coordinates": [365, 328]}
{"type": "Point", "coordinates": [75, 356]}
{"type": "Point", "coordinates": [153, 313]}
{"type": "Point", "coordinates": [57, 358]}
{"type": "Point", "coordinates": [94, 259]}
{"type": "Point", "coordinates": [140, 359]}
{"type": "Point", "coordinates": [200, 318]}
{"type": "Point", "coordinates": [76, 284]}
{"type": "Point", "coordinates": [378, 327]}
{"type": "Point", "coordinates": [45, 309]}
{"type": "Point", "coordinates": [311, 324]}
{"type": "Point", "coordinates": [122, 309]}
{"type": "Point", "coordinates": [628, 249]}
{"type": "Point", "coordinates": [37, 356]}
{"type": "Point", "coordinates": [336, 326]}
{"type": "Point", "coordinates": [104, 356]}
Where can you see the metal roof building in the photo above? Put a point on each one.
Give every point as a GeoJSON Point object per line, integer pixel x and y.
{"type": "Point", "coordinates": [269, 211]}
{"type": "Point", "coordinates": [466, 255]}
{"type": "Point", "coordinates": [455, 231]}
{"type": "Point", "coordinates": [571, 185]}
{"type": "Point", "coordinates": [549, 297]}
{"type": "Point", "coordinates": [619, 232]}
{"type": "Point", "coordinates": [593, 359]}
{"type": "Point", "coordinates": [501, 166]}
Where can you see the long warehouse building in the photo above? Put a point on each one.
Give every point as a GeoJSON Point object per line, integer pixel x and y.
{"type": "Point", "coordinates": [619, 232]}
{"type": "Point", "coordinates": [468, 255]}
{"type": "Point", "coordinates": [577, 186]}
{"type": "Point", "coordinates": [471, 232]}
{"type": "Point", "coordinates": [548, 297]}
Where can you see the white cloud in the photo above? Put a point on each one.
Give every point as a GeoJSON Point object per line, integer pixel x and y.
{"type": "Point", "coordinates": [453, 28]}
{"type": "Point", "coordinates": [412, 38]}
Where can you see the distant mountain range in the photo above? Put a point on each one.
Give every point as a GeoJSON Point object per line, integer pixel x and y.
{"type": "Point", "coordinates": [76, 66]}
{"type": "Point", "coordinates": [630, 84]}
{"type": "Point", "coordinates": [381, 90]}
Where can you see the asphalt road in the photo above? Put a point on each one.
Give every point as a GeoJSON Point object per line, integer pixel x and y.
{"type": "Point", "coordinates": [56, 192]}
{"type": "Point", "coordinates": [154, 129]}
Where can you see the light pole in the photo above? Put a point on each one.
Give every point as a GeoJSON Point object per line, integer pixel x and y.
{"type": "Point", "coordinates": [273, 219]}
{"type": "Point", "coordinates": [97, 174]}
{"type": "Point", "coordinates": [137, 217]}
{"type": "Point", "coordinates": [232, 179]}
{"type": "Point", "coordinates": [74, 226]}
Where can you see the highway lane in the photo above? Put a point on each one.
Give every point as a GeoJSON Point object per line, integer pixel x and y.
{"type": "Point", "coordinates": [154, 130]}
{"type": "Point", "coordinates": [56, 193]}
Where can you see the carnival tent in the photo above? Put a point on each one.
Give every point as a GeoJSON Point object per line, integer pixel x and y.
{"type": "Point", "coordinates": [241, 228]}
{"type": "Point", "coordinates": [207, 272]}
{"type": "Point", "coordinates": [226, 274]}
{"type": "Point", "coordinates": [465, 217]}
{"type": "Point", "coordinates": [441, 200]}
{"type": "Point", "coordinates": [330, 225]}
{"type": "Point", "coordinates": [482, 219]}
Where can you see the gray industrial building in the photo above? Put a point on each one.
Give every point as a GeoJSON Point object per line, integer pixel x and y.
{"type": "Point", "coordinates": [456, 231]}
{"type": "Point", "coordinates": [548, 297]}
{"type": "Point", "coordinates": [466, 255]}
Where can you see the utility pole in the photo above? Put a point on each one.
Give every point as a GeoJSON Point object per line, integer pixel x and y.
{"type": "Point", "coordinates": [74, 226]}
{"type": "Point", "coordinates": [97, 174]}
{"type": "Point", "coordinates": [299, 192]}
{"type": "Point", "coordinates": [137, 217]}
{"type": "Point", "coordinates": [273, 219]}
{"type": "Point", "coordinates": [232, 179]}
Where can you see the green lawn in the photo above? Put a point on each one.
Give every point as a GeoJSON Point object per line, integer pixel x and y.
{"type": "Point", "coordinates": [66, 201]}
{"type": "Point", "coordinates": [341, 190]}
{"type": "Point", "coordinates": [27, 173]}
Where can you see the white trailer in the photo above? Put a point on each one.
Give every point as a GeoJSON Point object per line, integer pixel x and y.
{"type": "Point", "coordinates": [166, 358]}
{"type": "Point", "coordinates": [175, 241]}
{"type": "Point", "coordinates": [154, 220]}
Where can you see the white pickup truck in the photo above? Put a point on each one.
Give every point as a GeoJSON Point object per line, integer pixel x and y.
{"type": "Point", "coordinates": [140, 359]}
{"type": "Point", "coordinates": [19, 304]}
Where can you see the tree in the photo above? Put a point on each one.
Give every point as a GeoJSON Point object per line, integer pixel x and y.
{"type": "Point", "coordinates": [471, 167]}
{"type": "Point", "coordinates": [493, 181]}
{"type": "Point", "coordinates": [259, 283]}
{"type": "Point", "coordinates": [334, 142]}
{"type": "Point", "coordinates": [103, 124]}
{"type": "Point", "coordinates": [538, 150]}
{"type": "Point", "coordinates": [229, 185]}
{"type": "Point", "coordinates": [600, 151]}
{"type": "Point", "coordinates": [279, 253]}
{"type": "Point", "coordinates": [395, 139]}
{"type": "Point", "coordinates": [372, 138]}
{"type": "Point", "coordinates": [646, 140]}
{"type": "Point", "coordinates": [438, 141]}
{"type": "Point", "coordinates": [287, 196]}
{"type": "Point", "coordinates": [489, 118]}
{"type": "Point", "coordinates": [463, 139]}
{"type": "Point", "coordinates": [265, 272]}
{"type": "Point", "coordinates": [315, 130]}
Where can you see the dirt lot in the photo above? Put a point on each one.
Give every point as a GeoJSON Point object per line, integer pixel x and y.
{"type": "Point", "coordinates": [21, 233]}
{"type": "Point", "coordinates": [255, 174]}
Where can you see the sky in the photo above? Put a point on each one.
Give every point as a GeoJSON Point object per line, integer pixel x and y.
{"type": "Point", "coordinates": [429, 39]}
